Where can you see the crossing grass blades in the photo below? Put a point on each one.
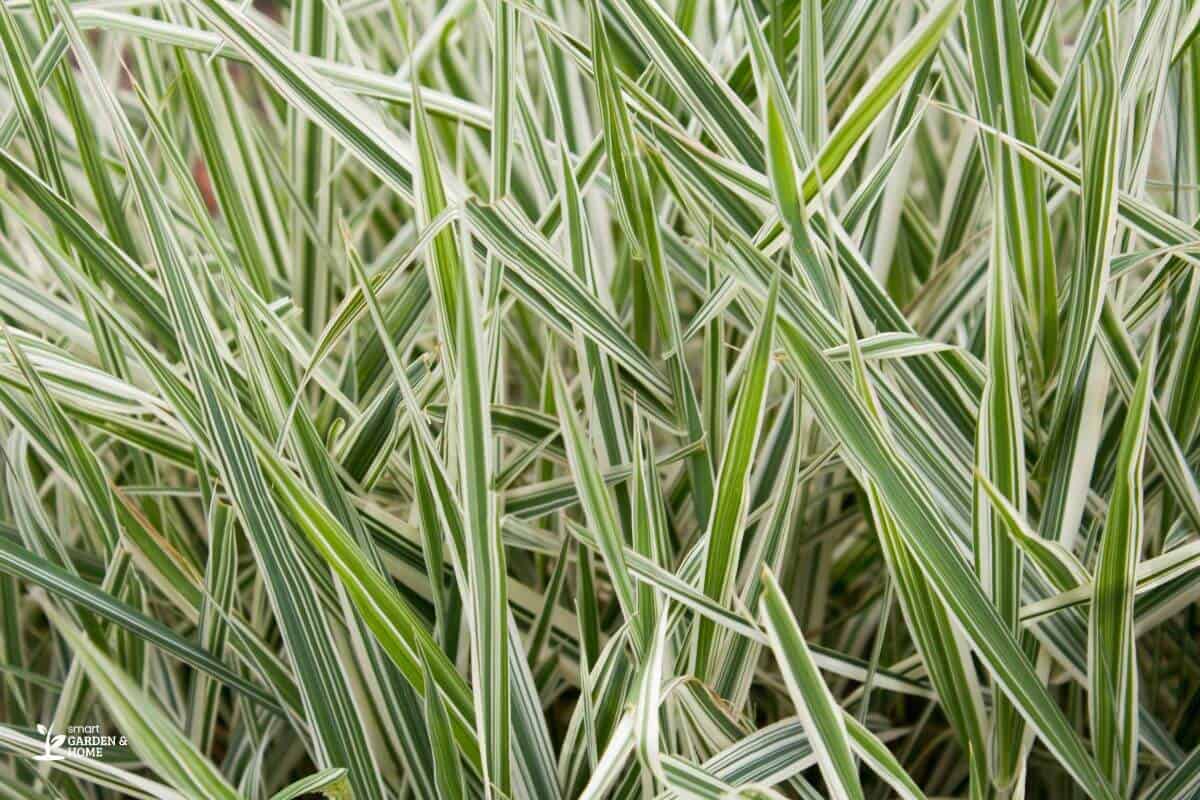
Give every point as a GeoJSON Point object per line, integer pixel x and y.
{"type": "Point", "coordinates": [619, 399]}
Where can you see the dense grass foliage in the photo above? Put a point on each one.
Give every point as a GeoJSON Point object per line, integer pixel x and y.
{"type": "Point", "coordinates": [618, 399]}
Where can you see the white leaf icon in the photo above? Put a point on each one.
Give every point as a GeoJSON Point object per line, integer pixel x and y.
{"type": "Point", "coordinates": [41, 729]}
{"type": "Point", "coordinates": [58, 740]}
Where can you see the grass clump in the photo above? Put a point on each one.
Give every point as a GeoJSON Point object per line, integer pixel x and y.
{"type": "Point", "coordinates": [614, 398]}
